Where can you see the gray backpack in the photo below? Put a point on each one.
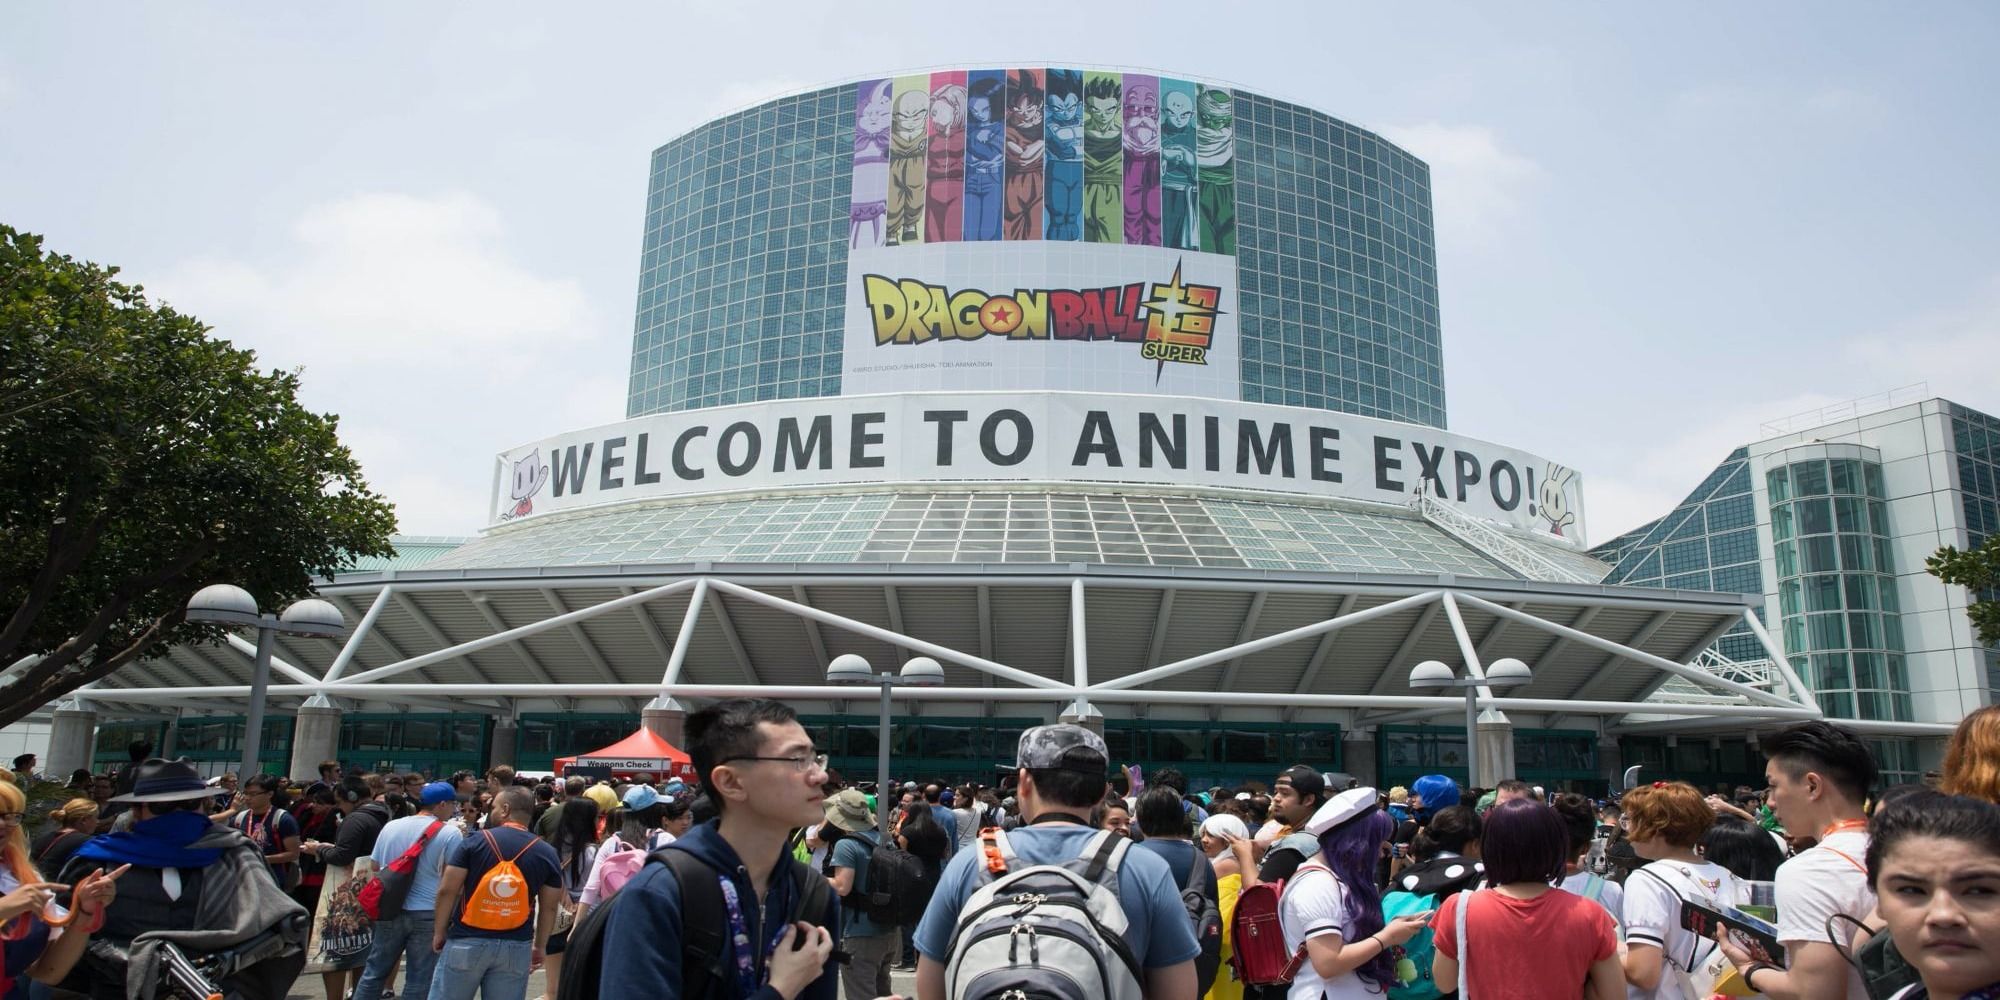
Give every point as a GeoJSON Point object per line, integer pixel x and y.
{"type": "Point", "coordinates": [1045, 932]}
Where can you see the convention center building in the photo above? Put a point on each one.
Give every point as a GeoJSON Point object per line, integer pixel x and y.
{"type": "Point", "coordinates": [1120, 397]}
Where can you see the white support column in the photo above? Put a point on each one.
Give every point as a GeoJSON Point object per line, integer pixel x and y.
{"type": "Point", "coordinates": [1268, 642]}
{"type": "Point", "coordinates": [1800, 690]}
{"type": "Point", "coordinates": [315, 735]}
{"type": "Point", "coordinates": [666, 718]}
{"type": "Point", "coordinates": [71, 739]}
{"type": "Point", "coordinates": [688, 623]}
{"type": "Point", "coordinates": [506, 741]}
{"type": "Point", "coordinates": [361, 631]}
{"type": "Point", "coordinates": [1080, 712]}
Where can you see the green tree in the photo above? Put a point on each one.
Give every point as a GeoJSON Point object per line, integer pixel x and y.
{"type": "Point", "coordinates": [143, 460]}
{"type": "Point", "coordinates": [1978, 570]}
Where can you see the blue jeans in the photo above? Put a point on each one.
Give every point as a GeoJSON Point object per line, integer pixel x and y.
{"type": "Point", "coordinates": [495, 969]}
{"type": "Point", "coordinates": [407, 937]}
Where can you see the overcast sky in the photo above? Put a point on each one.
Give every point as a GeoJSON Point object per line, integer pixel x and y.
{"type": "Point", "coordinates": [1658, 227]}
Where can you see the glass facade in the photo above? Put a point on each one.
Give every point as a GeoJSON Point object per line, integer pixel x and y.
{"type": "Point", "coordinates": [1975, 440]}
{"type": "Point", "coordinates": [1553, 758]}
{"type": "Point", "coordinates": [744, 266]}
{"type": "Point", "coordinates": [1837, 588]}
{"type": "Point", "coordinates": [1708, 542]}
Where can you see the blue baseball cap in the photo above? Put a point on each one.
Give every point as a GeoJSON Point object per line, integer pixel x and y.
{"type": "Point", "coordinates": [640, 797]}
{"type": "Point", "coordinates": [437, 793]}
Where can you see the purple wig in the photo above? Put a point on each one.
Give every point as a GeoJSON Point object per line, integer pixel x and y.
{"type": "Point", "coordinates": [1353, 850]}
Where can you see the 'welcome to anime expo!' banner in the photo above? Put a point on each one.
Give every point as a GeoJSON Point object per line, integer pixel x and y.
{"type": "Point", "coordinates": [1042, 228]}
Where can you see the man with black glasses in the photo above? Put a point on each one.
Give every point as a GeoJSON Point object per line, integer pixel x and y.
{"type": "Point", "coordinates": [733, 879]}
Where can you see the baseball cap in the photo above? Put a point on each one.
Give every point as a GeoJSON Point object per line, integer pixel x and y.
{"type": "Point", "coordinates": [1304, 780]}
{"type": "Point", "coordinates": [438, 792]}
{"type": "Point", "coordinates": [640, 797]}
{"type": "Point", "coordinates": [1061, 747]}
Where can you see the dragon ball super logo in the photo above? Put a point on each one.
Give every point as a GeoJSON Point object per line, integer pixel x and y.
{"type": "Point", "coordinates": [1171, 321]}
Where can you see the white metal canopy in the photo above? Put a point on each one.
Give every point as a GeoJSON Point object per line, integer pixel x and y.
{"type": "Point", "coordinates": [1123, 641]}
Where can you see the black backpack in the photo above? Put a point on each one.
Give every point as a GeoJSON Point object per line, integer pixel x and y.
{"type": "Point", "coordinates": [705, 968]}
{"type": "Point", "coordinates": [1206, 918]}
{"type": "Point", "coordinates": [899, 887]}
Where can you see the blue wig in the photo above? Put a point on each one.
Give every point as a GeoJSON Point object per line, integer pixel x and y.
{"type": "Point", "coordinates": [1352, 850]}
{"type": "Point", "coordinates": [1436, 791]}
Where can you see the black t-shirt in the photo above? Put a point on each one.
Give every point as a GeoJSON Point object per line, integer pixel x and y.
{"type": "Point", "coordinates": [538, 863]}
{"type": "Point", "coordinates": [51, 850]}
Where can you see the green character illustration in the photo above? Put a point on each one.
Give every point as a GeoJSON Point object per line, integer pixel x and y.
{"type": "Point", "coordinates": [1103, 166]}
{"type": "Point", "coordinates": [909, 142]}
{"type": "Point", "coordinates": [1215, 156]}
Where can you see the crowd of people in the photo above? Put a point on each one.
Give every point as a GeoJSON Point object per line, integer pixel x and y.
{"type": "Point", "coordinates": [769, 876]}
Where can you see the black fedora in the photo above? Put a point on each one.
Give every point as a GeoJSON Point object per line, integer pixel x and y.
{"type": "Point", "coordinates": [160, 780]}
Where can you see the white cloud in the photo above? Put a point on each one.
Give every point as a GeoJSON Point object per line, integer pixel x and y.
{"type": "Point", "coordinates": [412, 321]}
{"type": "Point", "coordinates": [1956, 349]}
{"type": "Point", "coordinates": [1656, 464]}
{"type": "Point", "coordinates": [1478, 187]}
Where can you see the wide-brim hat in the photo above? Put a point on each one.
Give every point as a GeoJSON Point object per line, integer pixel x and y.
{"type": "Point", "coordinates": [158, 780]}
{"type": "Point", "coordinates": [848, 809]}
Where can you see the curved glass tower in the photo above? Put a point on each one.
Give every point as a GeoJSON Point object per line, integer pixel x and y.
{"type": "Point", "coordinates": [751, 219]}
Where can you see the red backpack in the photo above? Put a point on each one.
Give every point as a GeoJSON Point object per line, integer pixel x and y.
{"type": "Point", "coordinates": [386, 889]}
{"type": "Point", "coordinates": [1260, 958]}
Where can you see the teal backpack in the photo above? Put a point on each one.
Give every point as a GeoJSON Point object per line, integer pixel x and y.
{"type": "Point", "coordinates": [1417, 951]}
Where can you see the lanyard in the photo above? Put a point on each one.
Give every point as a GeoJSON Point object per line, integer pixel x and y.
{"type": "Point", "coordinates": [739, 933]}
{"type": "Point", "coordinates": [1842, 827]}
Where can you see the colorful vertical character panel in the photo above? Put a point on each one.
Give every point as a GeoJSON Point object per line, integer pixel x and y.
{"type": "Point", "coordinates": [1025, 148]}
{"type": "Point", "coordinates": [944, 185]}
{"type": "Point", "coordinates": [869, 200]}
{"type": "Point", "coordinates": [985, 152]}
{"type": "Point", "coordinates": [909, 134]}
{"type": "Point", "coordinates": [1180, 226]}
{"type": "Point", "coordinates": [1064, 165]}
{"type": "Point", "coordinates": [1103, 158]}
{"type": "Point", "coordinates": [1141, 175]}
{"type": "Point", "coordinates": [1215, 160]}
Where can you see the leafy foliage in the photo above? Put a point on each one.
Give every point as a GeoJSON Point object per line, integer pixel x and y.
{"type": "Point", "coordinates": [144, 460]}
{"type": "Point", "coordinates": [1979, 571]}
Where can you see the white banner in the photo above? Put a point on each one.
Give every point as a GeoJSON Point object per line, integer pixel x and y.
{"type": "Point", "coordinates": [1033, 437]}
{"type": "Point", "coordinates": [1040, 315]}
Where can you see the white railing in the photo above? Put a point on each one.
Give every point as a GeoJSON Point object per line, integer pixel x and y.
{"type": "Point", "coordinates": [1503, 548]}
{"type": "Point", "coordinates": [1760, 674]}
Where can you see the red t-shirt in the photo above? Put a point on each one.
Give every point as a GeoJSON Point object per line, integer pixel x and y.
{"type": "Point", "coordinates": [1534, 949]}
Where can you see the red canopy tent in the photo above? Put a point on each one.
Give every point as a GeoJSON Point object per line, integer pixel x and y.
{"type": "Point", "coordinates": [643, 752]}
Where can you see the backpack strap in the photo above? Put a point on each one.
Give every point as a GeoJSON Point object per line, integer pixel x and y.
{"type": "Point", "coordinates": [1106, 851]}
{"type": "Point", "coordinates": [1464, 904]}
{"type": "Point", "coordinates": [1199, 874]}
{"type": "Point", "coordinates": [704, 969]}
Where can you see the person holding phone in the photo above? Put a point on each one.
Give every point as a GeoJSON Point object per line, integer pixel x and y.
{"type": "Point", "coordinates": [1332, 908]}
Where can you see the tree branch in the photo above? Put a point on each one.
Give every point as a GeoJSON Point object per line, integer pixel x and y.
{"type": "Point", "coordinates": [19, 704]}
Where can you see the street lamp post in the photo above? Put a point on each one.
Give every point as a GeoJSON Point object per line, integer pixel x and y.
{"type": "Point", "coordinates": [227, 604]}
{"type": "Point", "coordinates": [920, 671]}
{"type": "Point", "coordinates": [1503, 673]}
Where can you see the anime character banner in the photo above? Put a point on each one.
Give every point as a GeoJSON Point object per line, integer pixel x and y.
{"type": "Point", "coordinates": [1179, 215]}
{"type": "Point", "coordinates": [909, 135]}
{"type": "Point", "coordinates": [1038, 154]}
{"type": "Point", "coordinates": [985, 152]}
{"type": "Point", "coordinates": [1025, 146]}
{"type": "Point", "coordinates": [869, 195]}
{"type": "Point", "coordinates": [944, 184]}
{"type": "Point", "coordinates": [1141, 154]}
{"type": "Point", "coordinates": [1071, 316]}
{"type": "Point", "coordinates": [1103, 158]}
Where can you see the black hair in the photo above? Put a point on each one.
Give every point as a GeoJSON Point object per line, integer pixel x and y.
{"type": "Point", "coordinates": [24, 759]}
{"type": "Point", "coordinates": [1581, 819]}
{"type": "Point", "coordinates": [1524, 841]}
{"type": "Point", "coordinates": [139, 750]}
{"type": "Point", "coordinates": [923, 836]}
{"type": "Point", "coordinates": [1834, 753]}
{"type": "Point", "coordinates": [1101, 86]}
{"type": "Point", "coordinates": [352, 789]}
{"type": "Point", "coordinates": [576, 830]}
{"type": "Point", "coordinates": [80, 775]}
{"type": "Point", "coordinates": [1161, 813]}
{"type": "Point", "coordinates": [673, 809]}
{"type": "Point", "coordinates": [728, 729]}
{"type": "Point", "coordinates": [1743, 847]}
{"type": "Point", "coordinates": [263, 783]}
{"type": "Point", "coordinates": [1931, 814]}
{"type": "Point", "coordinates": [1450, 829]}
{"type": "Point", "coordinates": [702, 808]}
{"type": "Point", "coordinates": [1065, 81]}
{"type": "Point", "coordinates": [1024, 89]}
{"type": "Point", "coordinates": [1071, 789]}
{"type": "Point", "coordinates": [1172, 778]}
{"type": "Point", "coordinates": [638, 824]}
{"type": "Point", "coordinates": [1514, 786]}
{"type": "Point", "coordinates": [933, 793]}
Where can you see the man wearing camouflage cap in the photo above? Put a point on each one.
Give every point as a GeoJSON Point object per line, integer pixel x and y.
{"type": "Point", "coordinates": [1061, 772]}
